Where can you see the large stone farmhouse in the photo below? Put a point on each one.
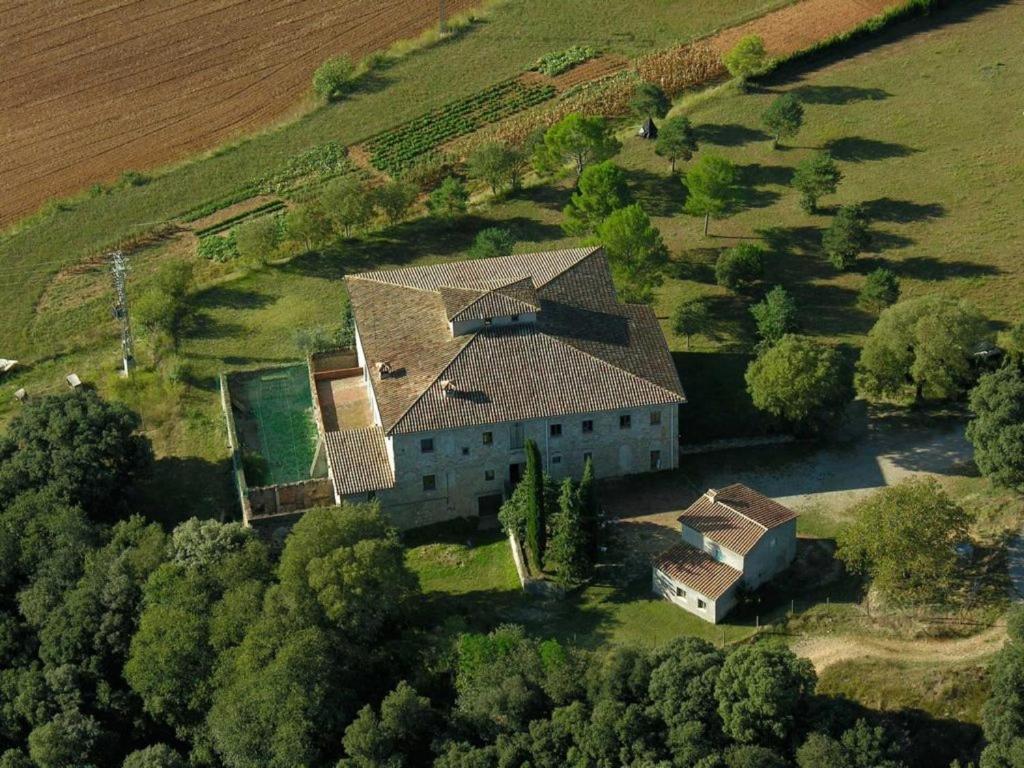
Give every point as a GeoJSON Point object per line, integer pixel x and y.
{"type": "Point", "coordinates": [732, 537]}
{"type": "Point", "coordinates": [463, 362]}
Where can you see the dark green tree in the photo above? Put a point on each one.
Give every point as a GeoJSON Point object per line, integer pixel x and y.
{"type": "Point", "coordinates": [927, 344]}
{"type": "Point", "coordinates": [649, 100]}
{"type": "Point", "coordinates": [449, 201]}
{"type": "Point", "coordinates": [690, 317]}
{"type": "Point", "coordinates": [739, 268]}
{"type": "Point", "coordinates": [903, 539]}
{"type": "Point", "coordinates": [775, 315]}
{"type": "Point", "coordinates": [997, 428]}
{"type": "Point", "coordinates": [676, 140]}
{"type": "Point", "coordinates": [348, 203]}
{"type": "Point", "coordinates": [492, 242]}
{"type": "Point", "coordinates": [814, 177]}
{"type": "Point", "coordinates": [847, 236]}
{"type": "Point", "coordinates": [567, 551]}
{"type": "Point", "coordinates": [602, 189]}
{"type": "Point", "coordinates": [307, 227]}
{"type": "Point", "coordinates": [636, 252]}
{"type": "Point", "coordinates": [751, 756]}
{"type": "Point", "coordinates": [394, 738]}
{"type": "Point", "coordinates": [259, 240]}
{"type": "Point", "coordinates": [761, 692]}
{"type": "Point", "coordinates": [334, 78]}
{"type": "Point", "coordinates": [801, 381]}
{"type": "Point", "coordinates": [536, 518]}
{"type": "Point", "coordinates": [881, 289]}
{"type": "Point", "coordinates": [69, 739]}
{"type": "Point", "coordinates": [156, 756]}
{"type": "Point", "coordinates": [84, 448]}
{"type": "Point", "coordinates": [783, 118]}
{"type": "Point", "coordinates": [163, 309]}
{"type": "Point", "coordinates": [590, 509]}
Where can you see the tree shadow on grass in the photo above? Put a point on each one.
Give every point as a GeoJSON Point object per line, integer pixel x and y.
{"type": "Point", "coordinates": [786, 241]}
{"type": "Point", "coordinates": [658, 195]}
{"type": "Point", "coordinates": [830, 310]}
{"type": "Point", "coordinates": [728, 134]}
{"type": "Point", "coordinates": [756, 174]}
{"type": "Point", "coordinates": [231, 297]}
{"type": "Point", "coordinates": [857, 149]}
{"type": "Point", "coordinates": [838, 94]}
{"type": "Point", "coordinates": [880, 241]}
{"type": "Point", "coordinates": [205, 326]}
{"type": "Point", "coordinates": [901, 211]}
{"type": "Point", "coordinates": [179, 488]}
{"type": "Point", "coordinates": [931, 268]}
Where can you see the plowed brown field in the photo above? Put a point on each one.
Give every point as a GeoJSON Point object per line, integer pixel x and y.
{"type": "Point", "coordinates": [90, 88]}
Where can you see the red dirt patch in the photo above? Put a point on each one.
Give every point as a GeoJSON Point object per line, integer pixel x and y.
{"type": "Point", "coordinates": [800, 26]}
{"type": "Point", "coordinates": [94, 87]}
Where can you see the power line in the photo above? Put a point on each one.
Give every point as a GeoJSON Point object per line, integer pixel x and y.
{"type": "Point", "coordinates": [119, 271]}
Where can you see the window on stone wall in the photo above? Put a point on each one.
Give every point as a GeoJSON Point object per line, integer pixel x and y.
{"type": "Point", "coordinates": [488, 475]}
{"type": "Point", "coordinates": [556, 458]}
{"type": "Point", "coordinates": [625, 421]}
{"type": "Point", "coordinates": [556, 430]}
{"type": "Point", "coordinates": [515, 434]}
{"type": "Point", "coordinates": [430, 482]}
{"type": "Point", "coordinates": [588, 426]}
{"type": "Point", "coordinates": [427, 445]}
{"type": "Point", "coordinates": [465, 450]}
{"type": "Point", "coordinates": [680, 592]}
{"type": "Point", "coordinates": [655, 460]}
{"type": "Point", "coordinates": [488, 438]}
{"type": "Point", "coordinates": [701, 604]}
{"type": "Point", "coordinates": [655, 418]}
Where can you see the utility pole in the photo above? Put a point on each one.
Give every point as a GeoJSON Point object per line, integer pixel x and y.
{"type": "Point", "coordinates": [119, 270]}
{"type": "Point", "coordinates": [444, 24]}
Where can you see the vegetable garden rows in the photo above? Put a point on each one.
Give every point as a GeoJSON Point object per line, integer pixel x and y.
{"type": "Point", "coordinates": [395, 150]}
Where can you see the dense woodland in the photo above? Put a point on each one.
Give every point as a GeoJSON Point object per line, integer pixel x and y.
{"type": "Point", "coordinates": [124, 644]}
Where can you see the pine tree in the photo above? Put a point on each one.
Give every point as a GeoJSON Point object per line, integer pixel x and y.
{"type": "Point", "coordinates": [536, 533]}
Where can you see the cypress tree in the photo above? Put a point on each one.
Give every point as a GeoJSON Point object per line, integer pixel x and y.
{"type": "Point", "coordinates": [589, 510]}
{"type": "Point", "coordinates": [533, 478]}
{"type": "Point", "coordinates": [568, 551]}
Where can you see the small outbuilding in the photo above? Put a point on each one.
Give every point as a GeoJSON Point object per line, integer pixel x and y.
{"type": "Point", "coordinates": [648, 130]}
{"type": "Point", "coordinates": [731, 537]}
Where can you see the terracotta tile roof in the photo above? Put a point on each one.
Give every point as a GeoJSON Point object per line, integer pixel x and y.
{"type": "Point", "coordinates": [585, 353]}
{"type": "Point", "coordinates": [697, 570]}
{"type": "Point", "coordinates": [358, 459]}
{"type": "Point", "coordinates": [735, 517]}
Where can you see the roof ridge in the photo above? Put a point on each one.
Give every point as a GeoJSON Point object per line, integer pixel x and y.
{"type": "Point", "coordinates": [361, 276]}
{"type": "Point", "coordinates": [675, 395]}
{"type": "Point", "coordinates": [737, 512]}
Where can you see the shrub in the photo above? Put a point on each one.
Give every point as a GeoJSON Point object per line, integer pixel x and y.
{"type": "Point", "coordinates": [498, 165]}
{"type": "Point", "coordinates": [552, 64]}
{"type": "Point", "coordinates": [449, 201]}
{"type": "Point", "coordinates": [775, 315]}
{"type": "Point", "coordinates": [334, 78]}
{"type": "Point", "coordinates": [257, 241]}
{"type": "Point", "coordinates": [394, 199]}
{"type": "Point", "coordinates": [740, 267]}
{"type": "Point", "coordinates": [747, 58]}
{"type": "Point", "coordinates": [492, 242]}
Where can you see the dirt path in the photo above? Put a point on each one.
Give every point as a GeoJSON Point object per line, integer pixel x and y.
{"type": "Point", "coordinates": [824, 651]}
{"type": "Point", "coordinates": [89, 88]}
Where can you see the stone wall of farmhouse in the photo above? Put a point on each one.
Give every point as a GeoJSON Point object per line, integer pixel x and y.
{"type": "Point", "coordinates": [466, 464]}
{"type": "Point", "coordinates": [773, 553]}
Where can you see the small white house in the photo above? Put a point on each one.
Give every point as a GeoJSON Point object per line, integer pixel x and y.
{"type": "Point", "coordinates": [731, 537]}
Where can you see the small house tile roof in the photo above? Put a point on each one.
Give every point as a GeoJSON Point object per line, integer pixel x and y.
{"type": "Point", "coordinates": [358, 459]}
{"type": "Point", "coordinates": [586, 352]}
{"type": "Point", "coordinates": [696, 569]}
{"type": "Point", "coordinates": [736, 517]}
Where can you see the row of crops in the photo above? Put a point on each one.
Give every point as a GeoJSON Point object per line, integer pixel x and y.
{"type": "Point", "coordinates": [395, 150]}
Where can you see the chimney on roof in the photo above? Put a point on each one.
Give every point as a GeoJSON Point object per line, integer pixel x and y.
{"type": "Point", "coordinates": [711, 493]}
{"type": "Point", "coordinates": [383, 368]}
{"type": "Point", "coordinates": [447, 386]}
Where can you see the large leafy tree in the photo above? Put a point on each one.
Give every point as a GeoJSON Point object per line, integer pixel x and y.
{"type": "Point", "coordinates": [396, 737]}
{"type": "Point", "coordinates": [676, 140]}
{"type": "Point", "coordinates": [394, 199]}
{"type": "Point", "coordinates": [84, 448]}
{"type": "Point", "coordinates": [602, 189]}
{"type": "Point", "coordinates": [997, 429]}
{"type": "Point", "coordinates": [578, 140]}
{"type": "Point", "coordinates": [740, 267]}
{"type": "Point", "coordinates": [747, 58]}
{"type": "Point", "coordinates": [711, 186]}
{"type": "Point", "coordinates": [498, 165]}
{"type": "Point", "coordinates": [816, 176]}
{"type": "Point", "coordinates": [636, 252]}
{"type": "Point", "coordinates": [799, 380]}
{"type": "Point", "coordinates": [925, 344]}
{"type": "Point", "coordinates": [691, 317]}
{"type": "Point", "coordinates": [761, 692]}
{"type": "Point", "coordinates": [903, 539]}
{"type": "Point", "coordinates": [1003, 713]}
{"type": "Point", "coordinates": [348, 202]}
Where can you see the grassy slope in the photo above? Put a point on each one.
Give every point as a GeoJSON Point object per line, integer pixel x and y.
{"type": "Point", "coordinates": [507, 42]}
